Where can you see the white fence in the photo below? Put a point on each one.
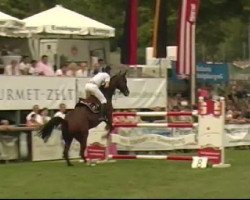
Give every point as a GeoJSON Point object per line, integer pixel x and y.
{"type": "Point", "coordinates": [137, 139]}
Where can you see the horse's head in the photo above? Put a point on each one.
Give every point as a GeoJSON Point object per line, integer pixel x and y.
{"type": "Point", "coordinates": [119, 82]}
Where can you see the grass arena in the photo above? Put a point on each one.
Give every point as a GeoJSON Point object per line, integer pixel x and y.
{"type": "Point", "coordinates": [126, 179]}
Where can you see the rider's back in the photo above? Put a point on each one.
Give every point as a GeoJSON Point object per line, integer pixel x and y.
{"type": "Point", "coordinates": [100, 78]}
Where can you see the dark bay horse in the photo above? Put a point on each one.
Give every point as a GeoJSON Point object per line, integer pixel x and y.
{"type": "Point", "coordinates": [77, 122]}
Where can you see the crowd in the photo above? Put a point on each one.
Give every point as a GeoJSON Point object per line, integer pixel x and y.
{"type": "Point", "coordinates": [37, 117]}
{"type": "Point", "coordinates": [236, 96]}
{"type": "Point", "coordinates": [42, 67]}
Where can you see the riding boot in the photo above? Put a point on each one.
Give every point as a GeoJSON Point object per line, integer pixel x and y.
{"type": "Point", "coordinates": [103, 112]}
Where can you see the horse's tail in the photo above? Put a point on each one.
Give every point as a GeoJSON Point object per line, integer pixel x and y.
{"type": "Point", "coordinates": [46, 130]}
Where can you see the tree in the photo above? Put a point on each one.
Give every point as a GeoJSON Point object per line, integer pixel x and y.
{"type": "Point", "coordinates": [218, 24]}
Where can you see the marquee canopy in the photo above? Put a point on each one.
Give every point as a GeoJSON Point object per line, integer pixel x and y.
{"type": "Point", "coordinates": [61, 21]}
{"type": "Point", "coordinates": [9, 25]}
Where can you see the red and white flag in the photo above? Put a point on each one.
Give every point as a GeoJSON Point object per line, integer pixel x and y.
{"type": "Point", "coordinates": [186, 37]}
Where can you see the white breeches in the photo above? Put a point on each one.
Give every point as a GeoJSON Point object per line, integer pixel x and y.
{"type": "Point", "coordinates": [92, 89]}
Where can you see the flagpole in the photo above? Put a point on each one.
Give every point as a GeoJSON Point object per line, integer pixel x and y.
{"type": "Point", "coordinates": [160, 70]}
{"type": "Point", "coordinates": [193, 67]}
{"type": "Point", "coordinates": [193, 83]}
{"type": "Point", "coordinates": [166, 74]}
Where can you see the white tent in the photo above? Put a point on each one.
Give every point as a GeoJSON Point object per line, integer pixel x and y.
{"type": "Point", "coordinates": [61, 21]}
{"type": "Point", "coordinates": [10, 25]}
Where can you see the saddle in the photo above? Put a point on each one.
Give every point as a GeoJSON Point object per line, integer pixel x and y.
{"type": "Point", "coordinates": [92, 106]}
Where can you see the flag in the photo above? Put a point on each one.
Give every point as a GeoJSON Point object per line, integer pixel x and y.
{"type": "Point", "coordinates": [129, 40]}
{"type": "Point", "coordinates": [160, 30]}
{"type": "Point", "coordinates": [186, 37]}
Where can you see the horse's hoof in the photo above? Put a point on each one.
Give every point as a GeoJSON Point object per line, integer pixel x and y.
{"type": "Point", "coordinates": [70, 165]}
{"type": "Point", "coordinates": [91, 164]}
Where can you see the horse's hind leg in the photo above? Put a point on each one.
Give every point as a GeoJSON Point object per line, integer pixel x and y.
{"type": "Point", "coordinates": [68, 140]}
{"type": "Point", "coordinates": [83, 144]}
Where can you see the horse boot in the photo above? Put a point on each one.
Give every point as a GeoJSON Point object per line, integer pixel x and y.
{"type": "Point", "coordinates": [103, 113]}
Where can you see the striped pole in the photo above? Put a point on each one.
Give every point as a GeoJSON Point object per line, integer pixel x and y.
{"type": "Point", "coordinates": [166, 125]}
{"type": "Point", "coordinates": [191, 113]}
{"type": "Point", "coordinates": [156, 157]}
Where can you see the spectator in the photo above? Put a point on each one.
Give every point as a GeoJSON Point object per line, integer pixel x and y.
{"type": "Point", "coordinates": [25, 65]}
{"type": "Point", "coordinates": [72, 68]}
{"type": "Point", "coordinates": [32, 69]}
{"type": "Point", "coordinates": [229, 116]}
{"type": "Point", "coordinates": [184, 108]}
{"type": "Point", "coordinates": [175, 101]}
{"type": "Point", "coordinates": [83, 70]}
{"type": "Point", "coordinates": [44, 68]}
{"type": "Point", "coordinates": [12, 69]}
{"type": "Point", "coordinates": [5, 124]}
{"type": "Point", "coordinates": [62, 71]}
{"type": "Point", "coordinates": [32, 122]}
{"type": "Point", "coordinates": [35, 110]}
{"type": "Point", "coordinates": [203, 92]}
{"type": "Point", "coordinates": [44, 116]}
{"type": "Point", "coordinates": [174, 119]}
{"type": "Point", "coordinates": [5, 51]}
{"type": "Point", "coordinates": [61, 112]}
{"type": "Point", "coordinates": [247, 112]}
{"type": "Point", "coordinates": [232, 94]}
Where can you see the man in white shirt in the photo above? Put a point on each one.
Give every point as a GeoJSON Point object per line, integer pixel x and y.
{"type": "Point", "coordinates": [35, 110]}
{"type": "Point", "coordinates": [32, 69]}
{"type": "Point", "coordinates": [12, 69]}
{"type": "Point", "coordinates": [92, 87]}
{"type": "Point", "coordinates": [61, 112]}
{"type": "Point", "coordinates": [25, 65]}
{"type": "Point", "coordinates": [83, 70]}
{"type": "Point", "coordinates": [62, 71]}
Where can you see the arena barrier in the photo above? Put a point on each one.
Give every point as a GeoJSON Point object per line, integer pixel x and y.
{"type": "Point", "coordinates": [210, 139]}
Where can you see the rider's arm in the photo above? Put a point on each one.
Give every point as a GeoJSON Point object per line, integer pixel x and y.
{"type": "Point", "coordinates": [106, 84]}
{"type": "Point", "coordinates": [107, 80]}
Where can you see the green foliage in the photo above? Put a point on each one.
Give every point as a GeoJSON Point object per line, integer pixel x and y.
{"type": "Point", "coordinates": [221, 26]}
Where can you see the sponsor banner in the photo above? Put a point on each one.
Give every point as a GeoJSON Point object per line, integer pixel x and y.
{"type": "Point", "coordinates": [213, 155]}
{"type": "Point", "coordinates": [237, 135]}
{"type": "Point", "coordinates": [51, 150]}
{"type": "Point", "coordinates": [96, 152]}
{"type": "Point", "coordinates": [8, 147]}
{"type": "Point", "coordinates": [154, 142]}
{"type": "Point", "coordinates": [144, 93]}
{"type": "Point", "coordinates": [138, 139]}
{"type": "Point", "coordinates": [21, 93]}
{"type": "Point", "coordinates": [212, 73]}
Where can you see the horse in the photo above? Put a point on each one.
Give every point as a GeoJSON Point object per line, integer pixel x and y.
{"type": "Point", "coordinates": [78, 121]}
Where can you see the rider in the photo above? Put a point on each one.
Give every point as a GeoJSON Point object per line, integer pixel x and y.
{"type": "Point", "coordinates": [92, 87]}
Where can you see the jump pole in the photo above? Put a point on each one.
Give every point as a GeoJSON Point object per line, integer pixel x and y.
{"type": "Point", "coordinates": [210, 130]}
{"type": "Point", "coordinates": [151, 157]}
